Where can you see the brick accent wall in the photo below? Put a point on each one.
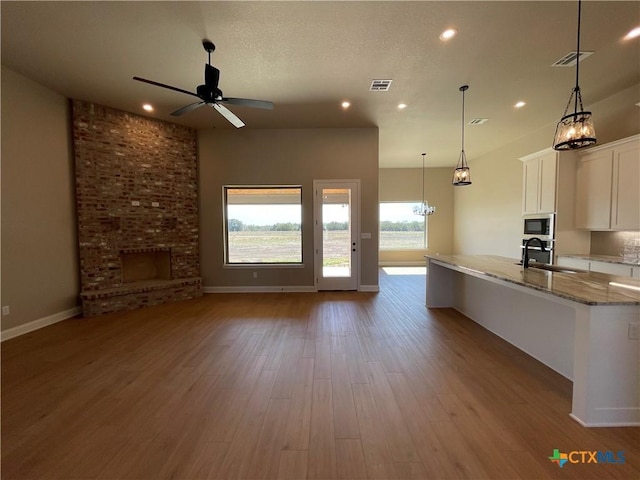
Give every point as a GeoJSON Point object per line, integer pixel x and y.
{"type": "Point", "coordinates": [136, 190]}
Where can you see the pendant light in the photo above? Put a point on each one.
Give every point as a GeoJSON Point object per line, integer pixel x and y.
{"type": "Point", "coordinates": [575, 130]}
{"type": "Point", "coordinates": [462, 175]}
{"type": "Point", "coordinates": [424, 208]}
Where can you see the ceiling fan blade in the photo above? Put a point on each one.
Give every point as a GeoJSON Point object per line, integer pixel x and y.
{"type": "Point", "coordinates": [158, 84]}
{"type": "Point", "coordinates": [211, 76]}
{"type": "Point", "coordinates": [247, 102]}
{"type": "Point", "coordinates": [187, 108]}
{"type": "Point", "coordinates": [229, 115]}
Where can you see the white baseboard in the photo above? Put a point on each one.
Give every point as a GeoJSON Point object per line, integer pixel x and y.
{"type": "Point", "coordinates": [369, 288]}
{"type": "Point", "coordinates": [38, 324]}
{"type": "Point", "coordinates": [363, 288]}
{"type": "Point", "coordinates": [258, 289]}
{"type": "Point", "coordinates": [414, 263]}
{"type": "Point", "coordinates": [630, 423]}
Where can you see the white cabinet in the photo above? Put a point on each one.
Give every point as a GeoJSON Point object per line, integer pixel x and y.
{"type": "Point", "coordinates": [539, 182]}
{"type": "Point", "coordinates": [625, 189]}
{"type": "Point", "coordinates": [547, 190]}
{"type": "Point", "coordinates": [530, 184]}
{"type": "Point", "coordinates": [593, 191]}
{"type": "Point", "coordinates": [597, 266]}
{"type": "Point", "coordinates": [611, 268]}
{"type": "Point", "coordinates": [608, 187]}
{"type": "Point", "coordinates": [573, 263]}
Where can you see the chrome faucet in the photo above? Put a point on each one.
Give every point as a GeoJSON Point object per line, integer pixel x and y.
{"type": "Point", "coordinates": [525, 260]}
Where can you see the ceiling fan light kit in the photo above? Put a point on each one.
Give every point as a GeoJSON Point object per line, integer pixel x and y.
{"type": "Point", "coordinates": [210, 94]}
{"type": "Point", "coordinates": [575, 129]}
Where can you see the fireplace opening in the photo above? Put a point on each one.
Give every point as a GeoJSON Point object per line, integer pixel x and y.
{"type": "Point", "coordinates": [143, 266]}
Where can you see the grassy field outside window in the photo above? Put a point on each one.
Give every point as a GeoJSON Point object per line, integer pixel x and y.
{"type": "Point", "coordinates": [400, 228]}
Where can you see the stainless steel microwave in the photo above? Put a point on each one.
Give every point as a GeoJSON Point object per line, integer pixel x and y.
{"type": "Point", "coordinates": [541, 226]}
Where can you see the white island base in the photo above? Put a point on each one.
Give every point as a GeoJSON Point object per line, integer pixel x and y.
{"type": "Point", "coordinates": [588, 344]}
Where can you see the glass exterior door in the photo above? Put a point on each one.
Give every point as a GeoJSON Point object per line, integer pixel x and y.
{"type": "Point", "coordinates": [336, 234]}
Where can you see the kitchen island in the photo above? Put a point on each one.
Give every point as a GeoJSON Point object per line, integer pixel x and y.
{"type": "Point", "coordinates": [584, 325]}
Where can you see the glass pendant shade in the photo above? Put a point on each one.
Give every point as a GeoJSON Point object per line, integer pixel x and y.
{"type": "Point", "coordinates": [462, 174]}
{"type": "Point", "coordinates": [574, 130]}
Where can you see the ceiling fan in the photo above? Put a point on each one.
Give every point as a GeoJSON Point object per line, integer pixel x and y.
{"type": "Point", "coordinates": [210, 94]}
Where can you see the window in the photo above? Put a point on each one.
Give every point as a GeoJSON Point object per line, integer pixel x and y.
{"type": "Point", "coordinates": [263, 225]}
{"type": "Point", "coordinates": [400, 228]}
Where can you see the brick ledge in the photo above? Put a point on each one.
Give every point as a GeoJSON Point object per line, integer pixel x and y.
{"type": "Point", "coordinates": [139, 287]}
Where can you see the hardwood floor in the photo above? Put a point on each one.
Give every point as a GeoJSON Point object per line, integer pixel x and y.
{"type": "Point", "coordinates": [333, 385]}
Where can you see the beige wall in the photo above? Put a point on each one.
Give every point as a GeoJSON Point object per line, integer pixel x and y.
{"type": "Point", "coordinates": [405, 185]}
{"type": "Point", "coordinates": [39, 260]}
{"type": "Point", "coordinates": [293, 157]}
{"type": "Point", "coordinates": [487, 214]}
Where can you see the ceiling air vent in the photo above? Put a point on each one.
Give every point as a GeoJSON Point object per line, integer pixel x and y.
{"type": "Point", "coordinates": [380, 85]}
{"type": "Point", "coordinates": [478, 121]}
{"type": "Point", "coordinates": [569, 60]}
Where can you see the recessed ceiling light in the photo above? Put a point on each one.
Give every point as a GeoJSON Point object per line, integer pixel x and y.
{"type": "Point", "coordinates": [402, 105]}
{"type": "Point", "coordinates": [147, 107]}
{"type": "Point", "coordinates": [520, 104]}
{"type": "Point", "coordinates": [346, 104]}
{"type": "Point", "coordinates": [633, 34]}
{"type": "Point", "coordinates": [448, 34]}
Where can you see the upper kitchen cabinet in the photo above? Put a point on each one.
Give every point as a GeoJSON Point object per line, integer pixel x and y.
{"type": "Point", "coordinates": [593, 190]}
{"type": "Point", "coordinates": [625, 191]}
{"type": "Point", "coordinates": [539, 182]}
{"type": "Point", "coordinates": [608, 186]}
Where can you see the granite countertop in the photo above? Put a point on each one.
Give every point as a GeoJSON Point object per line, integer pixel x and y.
{"type": "Point", "coordinates": [603, 258]}
{"type": "Point", "coordinates": [590, 288]}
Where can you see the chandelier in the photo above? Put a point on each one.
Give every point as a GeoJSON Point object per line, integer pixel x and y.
{"type": "Point", "coordinates": [424, 208]}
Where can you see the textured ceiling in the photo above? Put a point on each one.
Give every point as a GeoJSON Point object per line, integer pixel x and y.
{"type": "Point", "coordinates": [307, 57]}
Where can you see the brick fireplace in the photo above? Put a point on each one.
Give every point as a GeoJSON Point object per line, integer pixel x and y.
{"type": "Point", "coordinates": [137, 208]}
